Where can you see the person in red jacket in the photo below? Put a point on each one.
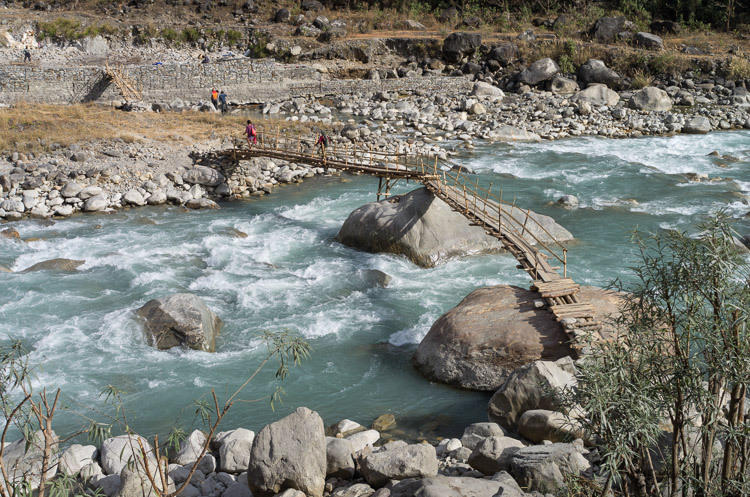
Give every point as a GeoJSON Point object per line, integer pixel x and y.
{"type": "Point", "coordinates": [252, 135]}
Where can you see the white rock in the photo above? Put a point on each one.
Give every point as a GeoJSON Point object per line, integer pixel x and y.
{"type": "Point", "coordinates": [76, 457]}
{"type": "Point", "coordinates": [363, 439]}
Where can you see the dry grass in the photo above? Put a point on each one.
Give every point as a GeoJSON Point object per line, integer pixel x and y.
{"type": "Point", "coordinates": [35, 127]}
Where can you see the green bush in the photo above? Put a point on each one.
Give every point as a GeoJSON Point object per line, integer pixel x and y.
{"type": "Point", "coordinates": [170, 35]}
{"type": "Point", "coordinates": [233, 37]}
{"type": "Point", "coordinates": [190, 35]}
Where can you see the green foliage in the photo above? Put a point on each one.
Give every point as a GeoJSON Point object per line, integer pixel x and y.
{"type": "Point", "coordinates": [176, 435]}
{"type": "Point", "coordinates": [190, 35]}
{"type": "Point", "coordinates": [170, 35]}
{"type": "Point", "coordinates": [257, 44]}
{"type": "Point", "coordinates": [739, 68]}
{"type": "Point", "coordinates": [62, 29]}
{"type": "Point", "coordinates": [233, 37]}
{"type": "Point", "coordinates": [672, 382]}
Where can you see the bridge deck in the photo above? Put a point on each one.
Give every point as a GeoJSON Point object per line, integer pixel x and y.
{"type": "Point", "coordinates": [519, 232]}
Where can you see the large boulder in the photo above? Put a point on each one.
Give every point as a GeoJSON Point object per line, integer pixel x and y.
{"type": "Point", "coordinates": [181, 319]}
{"type": "Point", "coordinates": [505, 53]}
{"type": "Point", "coordinates": [596, 71]}
{"type": "Point", "coordinates": [494, 454]}
{"type": "Point", "coordinates": [459, 486]}
{"type": "Point", "coordinates": [234, 452]}
{"type": "Point", "coordinates": [202, 175]}
{"type": "Point", "coordinates": [607, 28]}
{"type": "Point", "coordinates": [397, 461]}
{"type": "Point", "coordinates": [476, 433]}
{"type": "Point", "coordinates": [542, 468]}
{"type": "Point", "coordinates": [118, 452]}
{"type": "Point", "coordinates": [698, 125]}
{"type": "Point", "coordinates": [24, 461]}
{"type": "Point", "coordinates": [460, 45]}
{"type": "Point", "coordinates": [649, 41]}
{"type": "Point", "coordinates": [597, 95]}
{"type": "Point", "coordinates": [562, 86]}
{"type": "Point", "coordinates": [135, 483]}
{"type": "Point", "coordinates": [538, 425]}
{"type": "Point", "coordinates": [482, 89]}
{"type": "Point", "coordinates": [493, 331]}
{"type": "Point", "coordinates": [531, 386]}
{"type": "Point", "coordinates": [289, 453]}
{"type": "Point", "coordinates": [417, 225]}
{"type": "Point", "coordinates": [540, 71]}
{"type": "Point", "coordinates": [339, 458]}
{"type": "Point", "coordinates": [76, 457]}
{"type": "Point", "coordinates": [650, 99]}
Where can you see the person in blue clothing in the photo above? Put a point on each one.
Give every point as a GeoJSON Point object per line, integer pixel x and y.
{"type": "Point", "coordinates": [223, 102]}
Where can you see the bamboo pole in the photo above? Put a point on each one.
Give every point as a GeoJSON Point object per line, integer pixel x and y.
{"type": "Point", "coordinates": [528, 214]}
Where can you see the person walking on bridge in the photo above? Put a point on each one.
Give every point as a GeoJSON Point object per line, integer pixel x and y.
{"type": "Point", "coordinates": [252, 135]}
{"type": "Point", "coordinates": [323, 142]}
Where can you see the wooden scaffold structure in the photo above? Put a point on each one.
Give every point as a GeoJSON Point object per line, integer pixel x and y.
{"type": "Point", "coordinates": [129, 89]}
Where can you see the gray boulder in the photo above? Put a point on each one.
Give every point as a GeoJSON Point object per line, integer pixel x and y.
{"type": "Point", "coordinates": [133, 197]}
{"type": "Point", "coordinates": [540, 71]}
{"type": "Point", "coordinates": [482, 89]}
{"type": "Point", "coordinates": [24, 463]}
{"type": "Point", "coordinates": [117, 452]}
{"type": "Point", "coordinates": [494, 454]}
{"type": "Point", "coordinates": [596, 71]}
{"type": "Point", "coordinates": [607, 28]}
{"type": "Point", "coordinates": [538, 425]}
{"type": "Point", "coordinates": [71, 189]}
{"type": "Point", "coordinates": [157, 198]}
{"type": "Point", "coordinates": [507, 133]}
{"type": "Point", "coordinates": [339, 458]}
{"type": "Point", "coordinates": [505, 53]}
{"type": "Point", "coordinates": [191, 448]}
{"type": "Point", "coordinates": [55, 265]}
{"type": "Point", "coordinates": [96, 203]}
{"type": "Point", "coordinates": [649, 41]}
{"type": "Point", "coordinates": [444, 486]}
{"type": "Point", "coordinates": [541, 468]}
{"type": "Point", "coordinates": [529, 387]}
{"type": "Point", "coordinates": [417, 225]}
{"type": "Point", "coordinates": [234, 452]}
{"type": "Point", "coordinates": [597, 95]}
{"type": "Point", "coordinates": [650, 99]}
{"type": "Point", "coordinates": [202, 175]}
{"type": "Point", "coordinates": [180, 319]}
{"type": "Point", "coordinates": [476, 433]}
{"type": "Point", "coordinates": [135, 483]}
{"type": "Point", "coordinates": [698, 125]}
{"type": "Point", "coordinates": [289, 453]}
{"type": "Point", "coordinates": [356, 490]}
{"type": "Point", "coordinates": [459, 45]}
{"type": "Point", "coordinates": [562, 86]}
{"type": "Point", "coordinates": [397, 461]}
{"type": "Point", "coordinates": [76, 457]}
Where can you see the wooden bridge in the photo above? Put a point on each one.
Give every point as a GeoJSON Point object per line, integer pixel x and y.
{"type": "Point", "coordinates": [520, 233]}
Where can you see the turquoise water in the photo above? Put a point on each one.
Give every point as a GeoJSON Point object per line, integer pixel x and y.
{"type": "Point", "coordinates": [289, 273]}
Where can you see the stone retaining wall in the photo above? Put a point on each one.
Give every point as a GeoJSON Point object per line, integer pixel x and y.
{"type": "Point", "coordinates": [242, 79]}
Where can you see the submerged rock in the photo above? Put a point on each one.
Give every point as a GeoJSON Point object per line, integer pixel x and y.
{"type": "Point", "coordinates": [55, 265]}
{"type": "Point", "coordinates": [181, 319]}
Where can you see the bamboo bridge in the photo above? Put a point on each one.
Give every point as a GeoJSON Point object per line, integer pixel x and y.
{"type": "Point", "coordinates": [518, 231]}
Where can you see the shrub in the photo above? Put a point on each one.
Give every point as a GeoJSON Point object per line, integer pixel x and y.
{"type": "Point", "coordinates": [641, 79]}
{"type": "Point", "coordinates": [170, 35]}
{"type": "Point", "coordinates": [739, 68]}
{"type": "Point", "coordinates": [233, 37]}
{"type": "Point", "coordinates": [190, 35]}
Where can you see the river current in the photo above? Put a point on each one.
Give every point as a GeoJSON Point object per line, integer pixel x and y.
{"type": "Point", "coordinates": [289, 273]}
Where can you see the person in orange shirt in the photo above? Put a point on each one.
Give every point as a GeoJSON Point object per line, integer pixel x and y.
{"type": "Point", "coordinates": [215, 98]}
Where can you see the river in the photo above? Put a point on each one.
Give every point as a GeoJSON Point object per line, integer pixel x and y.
{"type": "Point", "coordinates": [289, 273]}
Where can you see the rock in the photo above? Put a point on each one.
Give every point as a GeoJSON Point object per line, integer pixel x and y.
{"type": "Point", "coordinates": [311, 5]}
{"type": "Point", "coordinates": [538, 425]}
{"type": "Point", "coordinates": [417, 225]}
{"type": "Point", "coordinates": [494, 454]}
{"type": "Point", "coordinates": [180, 319]}
{"type": "Point", "coordinates": [96, 46]}
{"type": "Point", "coordinates": [363, 439]}
{"type": "Point", "coordinates": [562, 86]}
{"type": "Point", "coordinates": [649, 41]}
{"type": "Point", "coordinates": [117, 452]}
{"type": "Point", "coordinates": [90, 191]}
{"type": "Point", "coordinates": [477, 109]}
{"type": "Point", "coordinates": [540, 71]}
{"type": "Point", "coordinates": [459, 45]}
{"type": "Point", "coordinates": [55, 265]}
{"type": "Point", "coordinates": [201, 203]}
{"type": "Point", "coordinates": [96, 203]}
{"type": "Point", "coordinates": [378, 278]}
{"type": "Point", "coordinates": [64, 210]}
{"type": "Point", "coordinates": [597, 95]}
{"type": "Point", "coordinates": [607, 28]}
{"type": "Point", "coordinates": [234, 452]}
{"type": "Point", "coordinates": [356, 490]}
{"type": "Point", "coordinates": [133, 197]}
{"type": "Point", "coordinates": [650, 99]}
{"type": "Point", "coordinates": [71, 189]}
{"type": "Point", "coordinates": [78, 157]}
{"type": "Point", "coordinates": [396, 462]}
{"type": "Point", "coordinates": [506, 133]}
{"type": "Point", "coordinates": [460, 486]}
{"type": "Point", "coordinates": [384, 422]}
{"type": "Point", "coordinates": [23, 462]}
{"type": "Point", "coordinates": [596, 71]}
{"type": "Point", "coordinates": [541, 468]}
{"type": "Point", "coordinates": [157, 198]}
{"type": "Point", "coordinates": [237, 489]}
{"type": "Point", "coordinates": [289, 453]}
{"type": "Point", "coordinates": [505, 54]}
{"type": "Point", "coordinates": [698, 125]}
{"type": "Point", "coordinates": [475, 433]}
{"type": "Point", "coordinates": [191, 448]}
{"type": "Point", "coordinates": [568, 201]}
{"type": "Point", "coordinates": [12, 205]}
{"type": "Point", "coordinates": [10, 233]}
{"type": "Point", "coordinates": [135, 483]}
{"type": "Point", "coordinates": [665, 27]}
{"type": "Point", "coordinates": [339, 458]}
{"type": "Point", "coordinates": [531, 386]}
{"type": "Point", "coordinates": [344, 428]}
{"type": "Point", "coordinates": [411, 25]}
{"type": "Point", "coordinates": [493, 331]}
{"type": "Point", "coordinates": [282, 15]}
{"type": "Point", "coordinates": [482, 89]}
{"type": "Point", "coordinates": [202, 175]}
{"type": "Point", "coordinates": [76, 457]}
